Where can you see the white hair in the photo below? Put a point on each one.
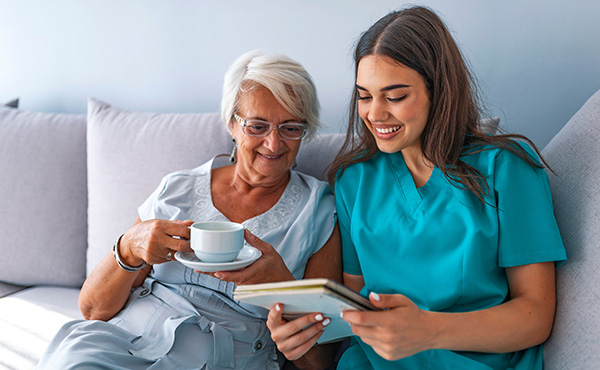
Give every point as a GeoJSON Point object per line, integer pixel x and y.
{"type": "Point", "coordinates": [287, 80]}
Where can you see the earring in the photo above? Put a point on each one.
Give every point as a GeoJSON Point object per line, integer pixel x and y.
{"type": "Point", "coordinates": [233, 156]}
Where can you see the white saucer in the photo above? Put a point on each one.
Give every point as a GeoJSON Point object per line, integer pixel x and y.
{"type": "Point", "coordinates": [247, 255]}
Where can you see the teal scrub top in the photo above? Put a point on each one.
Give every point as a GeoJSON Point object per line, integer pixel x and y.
{"type": "Point", "coordinates": [441, 247]}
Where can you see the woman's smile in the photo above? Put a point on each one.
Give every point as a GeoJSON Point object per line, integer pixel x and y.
{"type": "Point", "coordinates": [270, 157]}
{"type": "Point", "coordinates": [387, 131]}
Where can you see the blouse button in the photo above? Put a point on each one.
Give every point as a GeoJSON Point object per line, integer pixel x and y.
{"type": "Point", "coordinates": [258, 345]}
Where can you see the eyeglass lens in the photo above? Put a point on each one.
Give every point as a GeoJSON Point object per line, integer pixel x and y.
{"type": "Point", "coordinates": [286, 130]}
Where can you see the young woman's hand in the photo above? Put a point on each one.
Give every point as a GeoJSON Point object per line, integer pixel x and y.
{"type": "Point", "coordinates": [401, 330]}
{"type": "Point", "coordinates": [523, 321]}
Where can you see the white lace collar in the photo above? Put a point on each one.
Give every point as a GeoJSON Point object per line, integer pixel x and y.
{"type": "Point", "coordinates": [272, 219]}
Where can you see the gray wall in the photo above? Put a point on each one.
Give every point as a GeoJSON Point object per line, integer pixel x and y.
{"type": "Point", "coordinates": [537, 61]}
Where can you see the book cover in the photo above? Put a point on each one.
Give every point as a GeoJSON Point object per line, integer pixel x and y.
{"type": "Point", "coordinates": [305, 296]}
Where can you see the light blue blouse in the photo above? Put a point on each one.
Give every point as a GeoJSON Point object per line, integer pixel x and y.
{"type": "Point", "coordinates": [297, 226]}
{"type": "Point", "coordinates": [441, 247]}
{"type": "Point", "coordinates": [180, 319]}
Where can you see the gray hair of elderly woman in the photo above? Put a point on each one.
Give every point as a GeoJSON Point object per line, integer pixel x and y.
{"type": "Point", "coordinates": [287, 80]}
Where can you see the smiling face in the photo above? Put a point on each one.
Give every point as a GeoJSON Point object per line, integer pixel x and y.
{"type": "Point", "coordinates": [264, 160]}
{"type": "Point", "coordinates": [393, 102]}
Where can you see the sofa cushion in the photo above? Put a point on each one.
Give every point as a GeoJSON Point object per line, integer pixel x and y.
{"type": "Point", "coordinates": [43, 196]}
{"type": "Point", "coordinates": [8, 289]}
{"type": "Point", "coordinates": [574, 155]}
{"type": "Point", "coordinates": [129, 153]}
{"type": "Point", "coordinates": [13, 103]}
{"type": "Point", "coordinates": [315, 155]}
{"type": "Point", "coordinates": [490, 125]}
{"type": "Point", "coordinates": [30, 319]}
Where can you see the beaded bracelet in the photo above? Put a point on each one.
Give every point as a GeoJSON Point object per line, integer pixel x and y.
{"type": "Point", "coordinates": [122, 264]}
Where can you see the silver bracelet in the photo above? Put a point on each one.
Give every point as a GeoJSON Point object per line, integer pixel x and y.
{"type": "Point", "coordinates": [122, 264]}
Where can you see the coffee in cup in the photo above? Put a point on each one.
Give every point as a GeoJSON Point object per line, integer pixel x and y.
{"type": "Point", "coordinates": [216, 241]}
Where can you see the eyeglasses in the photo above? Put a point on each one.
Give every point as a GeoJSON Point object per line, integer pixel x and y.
{"type": "Point", "coordinates": [259, 128]}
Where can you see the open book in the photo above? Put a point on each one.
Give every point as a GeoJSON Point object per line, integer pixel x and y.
{"type": "Point", "coordinates": [309, 295]}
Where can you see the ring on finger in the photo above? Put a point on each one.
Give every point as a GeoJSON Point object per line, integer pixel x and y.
{"type": "Point", "coordinates": [170, 255]}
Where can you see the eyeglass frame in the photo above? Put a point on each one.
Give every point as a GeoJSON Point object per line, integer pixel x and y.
{"type": "Point", "coordinates": [243, 122]}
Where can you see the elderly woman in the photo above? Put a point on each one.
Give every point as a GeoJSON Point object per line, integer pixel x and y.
{"type": "Point", "coordinates": [148, 310]}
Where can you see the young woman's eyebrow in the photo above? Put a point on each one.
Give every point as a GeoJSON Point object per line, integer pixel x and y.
{"type": "Point", "coordinates": [387, 88]}
{"type": "Point", "coordinates": [394, 87]}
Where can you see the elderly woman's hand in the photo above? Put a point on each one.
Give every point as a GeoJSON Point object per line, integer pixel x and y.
{"type": "Point", "coordinates": [268, 268]}
{"type": "Point", "coordinates": [295, 338]}
{"type": "Point", "coordinates": [154, 241]}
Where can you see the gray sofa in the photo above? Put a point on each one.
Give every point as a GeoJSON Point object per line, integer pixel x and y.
{"type": "Point", "coordinates": [69, 184]}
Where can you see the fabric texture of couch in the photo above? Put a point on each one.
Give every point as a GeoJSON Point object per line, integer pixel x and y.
{"type": "Point", "coordinates": [574, 155]}
{"type": "Point", "coordinates": [72, 183]}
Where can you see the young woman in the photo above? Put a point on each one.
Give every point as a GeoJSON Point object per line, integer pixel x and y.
{"type": "Point", "coordinates": [449, 230]}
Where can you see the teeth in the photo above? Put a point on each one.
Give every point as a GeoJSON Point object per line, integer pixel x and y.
{"type": "Point", "coordinates": [271, 156]}
{"type": "Point", "coordinates": [388, 130]}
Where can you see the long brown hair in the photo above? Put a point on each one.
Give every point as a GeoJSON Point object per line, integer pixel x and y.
{"type": "Point", "coordinates": [417, 38]}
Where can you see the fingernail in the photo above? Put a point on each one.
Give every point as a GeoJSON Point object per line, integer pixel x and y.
{"type": "Point", "coordinates": [375, 296]}
{"type": "Point", "coordinates": [326, 322]}
{"type": "Point", "coordinates": [319, 317]}
{"type": "Point", "coordinates": [277, 308]}
{"type": "Point", "coordinates": [342, 315]}
{"type": "Point", "coordinates": [217, 275]}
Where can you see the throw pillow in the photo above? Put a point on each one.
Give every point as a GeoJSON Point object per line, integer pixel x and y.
{"type": "Point", "coordinates": [43, 196]}
{"type": "Point", "coordinates": [128, 154]}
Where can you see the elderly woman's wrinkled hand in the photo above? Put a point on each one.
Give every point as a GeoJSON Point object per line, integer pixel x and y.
{"type": "Point", "coordinates": [295, 338]}
{"type": "Point", "coordinates": [155, 241]}
{"type": "Point", "coordinates": [270, 267]}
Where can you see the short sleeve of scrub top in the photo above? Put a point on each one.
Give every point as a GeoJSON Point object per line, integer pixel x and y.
{"type": "Point", "coordinates": [527, 230]}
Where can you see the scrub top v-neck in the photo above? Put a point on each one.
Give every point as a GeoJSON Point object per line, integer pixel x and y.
{"type": "Point", "coordinates": [440, 246]}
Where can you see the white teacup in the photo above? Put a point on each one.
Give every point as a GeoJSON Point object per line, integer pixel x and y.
{"type": "Point", "coordinates": [217, 241]}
